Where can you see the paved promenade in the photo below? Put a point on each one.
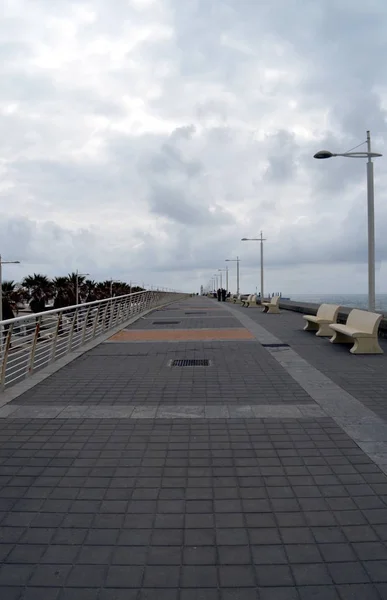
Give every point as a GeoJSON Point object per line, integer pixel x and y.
{"type": "Point", "coordinates": [256, 474]}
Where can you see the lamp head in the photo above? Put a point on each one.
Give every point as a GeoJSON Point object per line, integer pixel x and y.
{"type": "Point", "coordinates": [323, 154]}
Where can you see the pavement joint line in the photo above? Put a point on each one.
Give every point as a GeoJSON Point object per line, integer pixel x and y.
{"type": "Point", "coordinates": [20, 388]}
{"type": "Point", "coordinates": [164, 411]}
{"type": "Point", "coordinates": [360, 423]}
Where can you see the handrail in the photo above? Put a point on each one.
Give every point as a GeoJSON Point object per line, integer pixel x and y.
{"type": "Point", "coordinates": [31, 342]}
{"type": "Point", "coordinates": [72, 307]}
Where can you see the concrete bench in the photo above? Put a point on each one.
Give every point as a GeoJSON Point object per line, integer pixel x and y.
{"type": "Point", "coordinates": [236, 298]}
{"type": "Point", "coordinates": [361, 330]}
{"type": "Point", "coordinates": [326, 315]}
{"type": "Point", "coordinates": [249, 300]}
{"type": "Point", "coordinates": [272, 307]}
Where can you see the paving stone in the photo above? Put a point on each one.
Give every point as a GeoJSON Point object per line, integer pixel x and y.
{"type": "Point", "coordinates": [311, 574]}
{"type": "Point", "coordinates": [238, 576]}
{"type": "Point", "coordinates": [161, 576]}
{"type": "Point", "coordinates": [124, 576]}
{"type": "Point", "coordinates": [223, 483]}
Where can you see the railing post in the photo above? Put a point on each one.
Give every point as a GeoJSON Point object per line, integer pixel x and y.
{"type": "Point", "coordinates": [111, 314]}
{"type": "Point", "coordinates": [72, 329]}
{"type": "Point", "coordinates": [104, 317]}
{"type": "Point", "coordinates": [120, 311]}
{"type": "Point", "coordinates": [96, 321]}
{"type": "Point", "coordinates": [85, 325]}
{"type": "Point", "coordinates": [55, 338]}
{"type": "Point", "coordinates": [6, 348]}
{"type": "Point", "coordinates": [116, 313]}
{"type": "Point", "coordinates": [34, 344]}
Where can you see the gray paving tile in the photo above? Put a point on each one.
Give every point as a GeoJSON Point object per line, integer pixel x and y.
{"type": "Point", "coordinates": [233, 485]}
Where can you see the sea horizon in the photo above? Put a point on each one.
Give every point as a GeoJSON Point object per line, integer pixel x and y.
{"type": "Point", "coordinates": [351, 300]}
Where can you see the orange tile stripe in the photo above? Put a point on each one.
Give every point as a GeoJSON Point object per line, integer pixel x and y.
{"type": "Point", "coordinates": [184, 335]}
{"type": "Point", "coordinates": [195, 308]}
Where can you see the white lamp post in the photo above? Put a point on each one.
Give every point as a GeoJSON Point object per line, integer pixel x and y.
{"type": "Point", "coordinates": [111, 286]}
{"type": "Point", "coordinates": [3, 262]}
{"type": "Point", "coordinates": [224, 271]}
{"type": "Point", "coordinates": [237, 260]}
{"type": "Point", "coordinates": [260, 239]}
{"type": "Point", "coordinates": [77, 285]}
{"type": "Point", "coordinates": [370, 209]}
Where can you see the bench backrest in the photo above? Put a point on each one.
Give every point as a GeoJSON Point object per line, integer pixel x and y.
{"type": "Point", "coordinates": [328, 312]}
{"type": "Point", "coordinates": [252, 298]}
{"type": "Point", "coordinates": [364, 320]}
{"type": "Point", "coordinates": [275, 300]}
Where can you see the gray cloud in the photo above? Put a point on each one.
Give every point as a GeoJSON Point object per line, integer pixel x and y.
{"type": "Point", "coordinates": [149, 137]}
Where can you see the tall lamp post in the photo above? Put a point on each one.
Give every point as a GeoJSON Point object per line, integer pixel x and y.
{"type": "Point", "coordinates": [237, 260]}
{"type": "Point", "coordinates": [78, 275]}
{"type": "Point", "coordinates": [370, 209]}
{"type": "Point", "coordinates": [261, 239]}
{"type": "Point", "coordinates": [111, 286]}
{"type": "Point", "coordinates": [224, 271]}
{"type": "Point", "coordinates": [3, 262]}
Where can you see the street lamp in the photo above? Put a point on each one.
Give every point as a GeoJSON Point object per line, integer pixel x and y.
{"type": "Point", "coordinates": [111, 286]}
{"type": "Point", "coordinates": [237, 260]}
{"type": "Point", "coordinates": [224, 271]}
{"type": "Point", "coordinates": [370, 209]}
{"type": "Point", "coordinates": [221, 280]}
{"type": "Point", "coordinates": [78, 275]}
{"type": "Point", "coordinates": [3, 262]}
{"type": "Point", "coordinates": [260, 239]}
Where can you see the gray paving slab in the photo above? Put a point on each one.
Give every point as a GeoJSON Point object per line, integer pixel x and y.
{"type": "Point", "coordinates": [181, 321]}
{"type": "Point", "coordinates": [239, 508]}
{"type": "Point", "coordinates": [364, 377]}
{"type": "Point", "coordinates": [229, 483]}
{"type": "Point", "coordinates": [242, 373]}
{"type": "Point", "coordinates": [353, 416]}
{"type": "Point", "coordinates": [173, 411]}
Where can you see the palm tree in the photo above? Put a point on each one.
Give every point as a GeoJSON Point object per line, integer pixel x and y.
{"type": "Point", "coordinates": [74, 280]}
{"type": "Point", "coordinates": [13, 292]}
{"type": "Point", "coordinates": [38, 283]}
{"type": "Point", "coordinates": [60, 283]}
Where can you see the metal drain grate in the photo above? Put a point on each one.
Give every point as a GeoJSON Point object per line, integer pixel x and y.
{"type": "Point", "coordinates": [276, 345]}
{"type": "Point", "coordinates": [166, 322]}
{"type": "Point", "coordinates": [196, 312]}
{"type": "Point", "coordinates": [190, 362]}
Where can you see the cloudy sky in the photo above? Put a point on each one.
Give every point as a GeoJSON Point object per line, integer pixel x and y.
{"type": "Point", "coordinates": [142, 139]}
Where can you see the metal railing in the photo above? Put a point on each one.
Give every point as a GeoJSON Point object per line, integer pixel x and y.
{"type": "Point", "coordinates": [34, 341]}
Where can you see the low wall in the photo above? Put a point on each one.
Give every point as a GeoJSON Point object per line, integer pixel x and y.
{"type": "Point", "coordinates": [309, 308]}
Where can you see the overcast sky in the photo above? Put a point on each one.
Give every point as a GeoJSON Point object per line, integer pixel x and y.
{"type": "Point", "coordinates": [141, 139]}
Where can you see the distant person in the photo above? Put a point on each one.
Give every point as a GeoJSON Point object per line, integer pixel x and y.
{"type": "Point", "coordinates": [219, 294]}
{"type": "Point", "coordinates": [224, 295]}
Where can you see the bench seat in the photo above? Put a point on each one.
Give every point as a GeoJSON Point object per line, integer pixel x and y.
{"type": "Point", "coordinates": [319, 323]}
{"type": "Point", "coordinates": [272, 307]}
{"type": "Point", "coordinates": [361, 329]}
{"type": "Point", "coordinates": [251, 299]}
